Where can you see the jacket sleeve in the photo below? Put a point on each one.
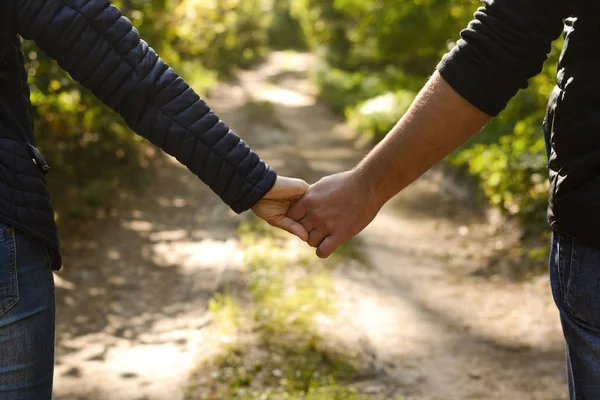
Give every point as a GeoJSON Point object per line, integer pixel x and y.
{"type": "Point", "coordinates": [100, 49]}
{"type": "Point", "coordinates": [505, 46]}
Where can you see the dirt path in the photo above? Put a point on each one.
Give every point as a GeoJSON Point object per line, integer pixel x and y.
{"type": "Point", "coordinates": [133, 297]}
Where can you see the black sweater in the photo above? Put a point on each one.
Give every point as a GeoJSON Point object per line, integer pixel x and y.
{"type": "Point", "coordinates": [501, 49]}
{"type": "Point", "coordinates": [506, 45]}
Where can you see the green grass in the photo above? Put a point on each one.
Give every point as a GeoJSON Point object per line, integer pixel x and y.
{"type": "Point", "coordinates": [278, 353]}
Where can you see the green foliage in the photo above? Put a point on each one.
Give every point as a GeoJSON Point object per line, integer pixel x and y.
{"type": "Point", "coordinates": [285, 31]}
{"type": "Point", "coordinates": [222, 34]}
{"type": "Point", "coordinates": [342, 89]}
{"type": "Point", "coordinates": [324, 26]}
{"type": "Point", "coordinates": [374, 118]}
{"type": "Point", "coordinates": [357, 33]}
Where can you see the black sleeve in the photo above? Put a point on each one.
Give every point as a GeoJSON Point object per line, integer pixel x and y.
{"type": "Point", "coordinates": [505, 46]}
{"type": "Point", "coordinates": [101, 50]}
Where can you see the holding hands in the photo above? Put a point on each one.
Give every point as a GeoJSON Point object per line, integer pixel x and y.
{"type": "Point", "coordinates": [324, 215]}
{"type": "Point", "coordinates": [339, 206]}
{"type": "Point", "coordinates": [334, 210]}
{"type": "Point", "coordinates": [273, 208]}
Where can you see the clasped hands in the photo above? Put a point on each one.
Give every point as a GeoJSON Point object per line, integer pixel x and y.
{"type": "Point", "coordinates": [324, 215]}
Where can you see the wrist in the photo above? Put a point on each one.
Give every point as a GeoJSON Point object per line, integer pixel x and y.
{"type": "Point", "coordinates": [371, 187]}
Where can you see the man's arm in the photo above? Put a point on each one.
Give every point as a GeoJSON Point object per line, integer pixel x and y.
{"type": "Point", "coordinates": [340, 206]}
{"type": "Point", "coordinates": [501, 49]}
{"type": "Point", "coordinates": [438, 122]}
{"type": "Point", "coordinates": [100, 49]}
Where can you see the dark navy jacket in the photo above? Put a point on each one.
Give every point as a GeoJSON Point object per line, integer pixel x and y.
{"type": "Point", "coordinates": [506, 45]}
{"type": "Point", "coordinates": [100, 49]}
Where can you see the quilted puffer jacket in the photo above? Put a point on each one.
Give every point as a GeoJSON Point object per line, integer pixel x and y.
{"type": "Point", "coordinates": [100, 49]}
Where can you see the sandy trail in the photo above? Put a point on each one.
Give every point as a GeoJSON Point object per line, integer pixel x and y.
{"type": "Point", "coordinates": [133, 297]}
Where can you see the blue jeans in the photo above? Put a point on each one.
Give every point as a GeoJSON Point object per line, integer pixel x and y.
{"type": "Point", "coordinates": [27, 318]}
{"type": "Point", "coordinates": [575, 281]}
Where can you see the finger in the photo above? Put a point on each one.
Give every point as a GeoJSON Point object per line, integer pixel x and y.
{"type": "Point", "coordinates": [315, 237]}
{"type": "Point", "coordinates": [297, 211]}
{"type": "Point", "coordinates": [307, 224]}
{"type": "Point", "coordinates": [288, 188]}
{"type": "Point", "coordinates": [328, 246]}
{"type": "Point", "coordinates": [298, 187]}
{"type": "Point", "coordinates": [291, 226]}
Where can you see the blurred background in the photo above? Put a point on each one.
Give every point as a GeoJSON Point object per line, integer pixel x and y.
{"type": "Point", "coordinates": [165, 294]}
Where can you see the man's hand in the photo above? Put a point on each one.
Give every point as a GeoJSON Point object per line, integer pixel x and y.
{"type": "Point", "coordinates": [334, 210]}
{"type": "Point", "coordinates": [275, 205]}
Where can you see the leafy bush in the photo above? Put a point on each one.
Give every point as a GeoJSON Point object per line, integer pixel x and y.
{"type": "Point", "coordinates": [285, 31]}
{"type": "Point", "coordinates": [222, 34]}
{"type": "Point", "coordinates": [375, 117]}
{"type": "Point", "coordinates": [409, 35]}
{"type": "Point", "coordinates": [342, 89]}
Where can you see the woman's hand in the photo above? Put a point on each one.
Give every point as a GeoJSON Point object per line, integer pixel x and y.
{"type": "Point", "coordinates": [275, 205]}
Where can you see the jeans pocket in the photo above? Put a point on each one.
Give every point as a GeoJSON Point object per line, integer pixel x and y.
{"type": "Point", "coordinates": [9, 286]}
{"type": "Point", "coordinates": [579, 279]}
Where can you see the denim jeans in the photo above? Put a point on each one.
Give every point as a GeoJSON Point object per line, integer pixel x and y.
{"type": "Point", "coordinates": [27, 318]}
{"type": "Point", "coordinates": [575, 281]}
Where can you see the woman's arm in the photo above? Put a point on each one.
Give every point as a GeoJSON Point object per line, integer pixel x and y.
{"type": "Point", "coordinates": [100, 49]}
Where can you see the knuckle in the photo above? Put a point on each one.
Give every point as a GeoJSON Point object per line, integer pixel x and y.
{"type": "Point", "coordinates": [330, 225]}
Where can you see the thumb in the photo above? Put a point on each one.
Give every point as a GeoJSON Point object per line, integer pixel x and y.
{"type": "Point", "coordinates": [287, 188]}
{"type": "Point", "coordinates": [291, 226]}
